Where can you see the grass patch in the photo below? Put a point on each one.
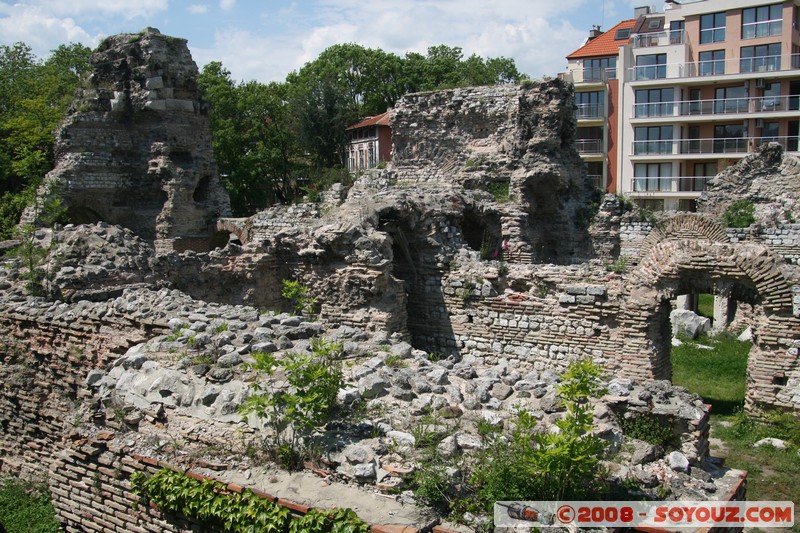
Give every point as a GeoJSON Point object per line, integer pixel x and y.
{"type": "Point", "coordinates": [773, 474]}
{"type": "Point", "coordinates": [705, 305]}
{"type": "Point", "coordinates": [26, 507]}
{"type": "Point", "coordinates": [717, 375]}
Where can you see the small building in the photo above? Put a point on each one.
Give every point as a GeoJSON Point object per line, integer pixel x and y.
{"type": "Point", "coordinates": [369, 142]}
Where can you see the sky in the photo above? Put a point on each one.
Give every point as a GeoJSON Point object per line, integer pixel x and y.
{"type": "Point", "coordinates": [265, 40]}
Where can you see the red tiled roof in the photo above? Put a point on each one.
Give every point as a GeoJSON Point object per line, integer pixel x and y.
{"type": "Point", "coordinates": [604, 44]}
{"type": "Point", "coordinates": [379, 120]}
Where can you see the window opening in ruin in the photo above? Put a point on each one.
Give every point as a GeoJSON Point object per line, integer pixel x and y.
{"type": "Point", "coordinates": [83, 215]}
{"type": "Point", "coordinates": [201, 191]}
{"type": "Point", "coordinates": [414, 263]}
{"type": "Point", "coordinates": [219, 239]}
{"type": "Point", "coordinates": [481, 233]}
{"type": "Point", "coordinates": [702, 325]}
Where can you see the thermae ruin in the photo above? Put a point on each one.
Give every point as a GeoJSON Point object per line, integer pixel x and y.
{"type": "Point", "coordinates": [137, 359]}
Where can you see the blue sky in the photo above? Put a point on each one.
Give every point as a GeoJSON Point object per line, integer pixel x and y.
{"type": "Point", "coordinates": [265, 40]}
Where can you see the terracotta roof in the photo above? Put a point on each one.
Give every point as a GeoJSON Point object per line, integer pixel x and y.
{"type": "Point", "coordinates": [604, 44]}
{"type": "Point", "coordinates": [380, 120]}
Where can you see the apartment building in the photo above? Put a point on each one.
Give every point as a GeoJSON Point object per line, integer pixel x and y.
{"type": "Point", "coordinates": [695, 88]}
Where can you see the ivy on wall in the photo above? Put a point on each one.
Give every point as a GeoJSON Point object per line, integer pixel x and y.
{"type": "Point", "coordinates": [210, 502]}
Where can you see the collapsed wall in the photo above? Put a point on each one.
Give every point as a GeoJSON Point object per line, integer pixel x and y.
{"type": "Point", "coordinates": [135, 148]}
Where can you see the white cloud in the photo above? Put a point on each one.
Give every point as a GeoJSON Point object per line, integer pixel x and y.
{"type": "Point", "coordinates": [198, 9]}
{"type": "Point", "coordinates": [226, 5]}
{"type": "Point", "coordinates": [100, 8]}
{"type": "Point", "coordinates": [39, 29]}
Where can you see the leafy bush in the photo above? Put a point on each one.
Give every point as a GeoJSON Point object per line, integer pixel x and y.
{"type": "Point", "coordinates": [26, 507]}
{"type": "Point", "coordinates": [211, 503]}
{"type": "Point", "coordinates": [297, 396]}
{"type": "Point", "coordinates": [296, 293]}
{"type": "Point", "coordinates": [648, 429]}
{"type": "Point", "coordinates": [740, 214]}
{"type": "Point", "coordinates": [500, 190]}
{"type": "Point", "coordinates": [532, 464]}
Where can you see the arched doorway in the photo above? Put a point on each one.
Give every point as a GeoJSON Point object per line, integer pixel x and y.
{"type": "Point", "coordinates": [744, 272]}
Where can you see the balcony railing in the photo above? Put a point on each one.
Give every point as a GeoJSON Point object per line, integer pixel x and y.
{"type": "Point", "coordinates": [597, 181]}
{"type": "Point", "coordinates": [670, 184]}
{"type": "Point", "coordinates": [717, 145]}
{"type": "Point", "coordinates": [589, 111]}
{"type": "Point", "coordinates": [591, 75]}
{"type": "Point", "coordinates": [589, 146]}
{"type": "Point", "coordinates": [744, 65]}
{"type": "Point", "coordinates": [720, 106]}
{"type": "Point", "coordinates": [662, 38]}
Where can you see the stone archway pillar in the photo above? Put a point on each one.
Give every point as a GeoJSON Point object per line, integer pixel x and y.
{"type": "Point", "coordinates": [722, 308]}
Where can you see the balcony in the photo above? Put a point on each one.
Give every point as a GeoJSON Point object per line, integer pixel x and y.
{"type": "Point", "coordinates": [725, 106]}
{"type": "Point", "coordinates": [682, 184]}
{"type": "Point", "coordinates": [716, 67]}
{"type": "Point", "coordinates": [597, 181]}
{"type": "Point", "coordinates": [589, 146]}
{"type": "Point", "coordinates": [663, 38]}
{"type": "Point", "coordinates": [590, 111]}
{"type": "Point", "coordinates": [740, 146]}
{"type": "Point", "coordinates": [590, 75]}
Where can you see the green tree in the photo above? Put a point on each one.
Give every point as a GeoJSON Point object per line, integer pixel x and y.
{"type": "Point", "coordinates": [254, 142]}
{"type": "Point", "coordinates": [34, 97]}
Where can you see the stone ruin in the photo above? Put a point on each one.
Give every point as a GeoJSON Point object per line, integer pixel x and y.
{"type": "Point", "coordinates": [135, 149]}
{"type": "Point", "coordinates": [141, 364]}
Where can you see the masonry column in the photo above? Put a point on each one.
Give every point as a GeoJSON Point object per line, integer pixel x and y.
{"type": "Point", "coordinates": [722, 308]}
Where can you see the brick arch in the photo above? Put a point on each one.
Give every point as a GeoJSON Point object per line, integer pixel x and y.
{"type": "Point", "coordinates": [684, 226]}
{"type": "Point", "coordinates": [236, 226]}
{"type": "Point", "coordinates": [750, 272]}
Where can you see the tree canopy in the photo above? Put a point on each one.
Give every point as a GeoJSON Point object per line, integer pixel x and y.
{"type": "Point", "coordinates": [34, 97]}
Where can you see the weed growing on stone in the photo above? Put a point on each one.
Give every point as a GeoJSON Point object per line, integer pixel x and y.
{"type": "Point", "coordinates": [302, 302]}
{"type": "Point", "coordinates": [395, 361]}
{"type": "Point", "coordinates": [619, 266]}
{"type": "Point", "coordinates": [295, 396]}
{"type": "Point", "coordinates": [740, 214]}
{"type": "Point", "coordinates": [648, 429]}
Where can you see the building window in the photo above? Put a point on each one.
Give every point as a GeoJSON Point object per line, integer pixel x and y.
{"type": "Point", "coordinates": [687, 205]}
{"type": "Point", "coordinates": [762, 21]}
{"type": "Point", "coordinates": [730, 138]}
{"type": "Point", "coordinates": [676, 28]}
{"type": "Point", "coordinates": [622, 34]}
{"type": "Point", "coordinates": [697, 183]}
{"type": "Point", "coordinates": [712, 63]}
{"type": "Point", "coordinates": [731, 99]}
{"type": "Point", "coordinates": [590, 104]}
{"type": "Point", "coordinates": [712, 28]}
{"type": "Point", "coordinates": [769, 132]}
{"type": "Point", "coordinates": [771, 100]}
{"type": "Point", "coordinates": [371, 155]}
{"type": "Point", "coordinates": [590, 140]}
{"type": "Point", "coordinates": [651, 67]}
{"type": "Point", "coordinates": [654, 102]}
{"type": "Point", "coordinates": [650, 204]}
{"type": "Point", "coordinates": [594, 169]}
{"type": "Point", "coordinates": [600, 69]}
{"type": "Point", "coordinates": [652, 140]}
{"type": "Point", "coordinates": [652, 177]}
{"type": "Point", "coordinates": [761, 58]}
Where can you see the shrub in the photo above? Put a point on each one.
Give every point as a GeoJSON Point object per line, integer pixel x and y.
{"type": "Point", "coordinates": [646, 428]}
{"type": "Point", "coordinates": [532, 464]}
{"type": "Point", "coordinates": [740, 214]}
{"type": "Point", "coordinates": [297, 396]}
{"type": "Point", "coordinates": [295, 292]}
{"type": "Point", "coordinates": [26, 507]}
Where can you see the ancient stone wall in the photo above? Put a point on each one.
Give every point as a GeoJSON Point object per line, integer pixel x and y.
{"type": "Point", "coordinates": [135, 148]}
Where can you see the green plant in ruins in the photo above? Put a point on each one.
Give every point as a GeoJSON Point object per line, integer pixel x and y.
{"type": "Point", "coordinates": [295, 396]}
{"type": "Point", "coordinates": [536, 464]}
{"type": "Point", "coordinates": [297, 293]}
{"type": "Point", "coordinates": [740, 214]}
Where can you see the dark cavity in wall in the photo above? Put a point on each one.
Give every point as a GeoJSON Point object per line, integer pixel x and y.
{"type": "Point", "coordinates": [481, 232]}
{"type": "Point", "coordinates": [428, 320]}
